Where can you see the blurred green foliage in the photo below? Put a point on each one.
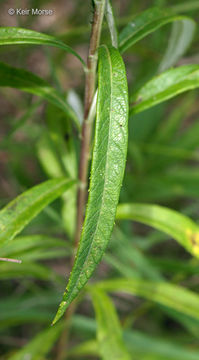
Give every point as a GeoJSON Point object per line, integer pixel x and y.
{"type": "Point", "coordinates": [39, 142]}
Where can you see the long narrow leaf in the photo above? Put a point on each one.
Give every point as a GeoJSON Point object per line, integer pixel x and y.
{"type": "Point", "coordinates": [109, 332]}
{"type": "Point", "coordinates": [181, 37]}
{"type": "Point", "coordinates": [146, 23]}
{"type": "Point", "coordinates": [111, 24]}
{"type": "Point", "coordinates": [165, 86]}
{"type": "Point", "coordinates": [37, 348]}
{"type": "Point", "coordinates": [19, 212]}
{"type": "Point", "coordinates": [179, 226]}
{"type": "Point", "coordinates": [31, 83]}
{"type": "Point", "coordinates": [109, 156]}
{"type": "Point", "coordinates": [15, 35]}
{"type": "Point", "coordinates": [165, 294]}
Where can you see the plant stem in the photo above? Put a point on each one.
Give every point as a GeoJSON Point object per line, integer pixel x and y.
{"type": "Point", "coordinates": [87, 125]}
{"type": "Point", "coordinates": [11, 260]}
{"type": "Point", "coordinates": [85, 148]}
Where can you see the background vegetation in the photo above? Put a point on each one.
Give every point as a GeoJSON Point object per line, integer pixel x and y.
{"type": "Point", "coordinates": [156, 317]}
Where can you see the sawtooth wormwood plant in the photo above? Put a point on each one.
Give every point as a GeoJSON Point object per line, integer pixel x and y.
{"type": "Point", "coordinates": [107, 108]}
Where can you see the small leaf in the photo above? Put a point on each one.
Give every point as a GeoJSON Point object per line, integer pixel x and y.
{"type": "Point", "coordinates": [109, 156]}
{"type": "Point", "coordinates": [165, 294]}
{"type": "Point", "coordinates": [179, 226]}
{"type": "Point", "coordinates": [31, 83]}
{"type": "Point", "coordinates": [111, 23]}
{"type": "Point", "coordinates": [15, 35]}
{"type": "Point", "coordinates": [20, 211]}
{"type": "Point", "coordinates": [146, 23]}
{"type": "Point", "coordinates": [109, 332]}
{"type": "Point", "coordinates": [180, 39]}
{"type": "Point", "coordinates": [37, 348]}
{"type": "Point", "coordinates": [165, 86]}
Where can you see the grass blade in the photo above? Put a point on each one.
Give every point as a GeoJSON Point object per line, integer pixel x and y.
{"type": "Point", "coordinates": [109, 156]}
{"type": "Point", "coordinates": [179, 226]}
{"type": "Point", "coordinates": [20, 211]}
{"type": "Point", "coordinates": [20, 36]}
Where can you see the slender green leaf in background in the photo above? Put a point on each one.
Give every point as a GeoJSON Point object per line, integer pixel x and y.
{"type": "Point", "coordinates": [57, 156]}
{"type": "Point", "coordinates": [37, 348]}
{"type": "Point", "coordinates": [33, 307]}
{"type": "Point", "coordinates": [140, 344]}
{"type": "Point", "coordinates": [146, 23]}
{"type": "Point", "coordinates": [111, 23]}
{"type": "Point", "coordinates": [148, 347]}
{"type": "Point", "coordinates": [180, 39]}
{"type": "Point", "coordinates": [27, 269]}
{"type": "Point", "coordinates": [177, 225]}
{"type": "Point", "coordinates": [87, 348]}
{"type": "Point", "coordinates": [129, 260]}
{"type": "Point", "coordinates": [165, 86]}
{"type": "Point", "coordinates": [14, 35]}
{"type": "Point", "coordinates": [29, 242]}
{"type": "Point", "coordinates": [109, 157]}
{"type": "Point", "coordinates": [109, 332]}
{"type": "Point", "coordinates": [20, 211]}
{"type": "Point", "coordinates": [172, 296]}
{"type": "Point", "coordinates": [35, 247]}
{"type": "Point", "coordinates": [186, 6]}
{"type": "Point", "coordinates": [31, 83]}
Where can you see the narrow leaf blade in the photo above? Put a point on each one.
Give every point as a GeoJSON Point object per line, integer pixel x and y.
{"type": "Point", "coordinates": [111, 24]}
{"type": "Point", "coordinates": [165, 86]}
{"type": "Point", "coordinates": [146, 23]}
{"type": "Point", "coordinates": [179, 226]}
{"type": "Point", "coordinates": [31, 83]}
{"type": "Point", "coordinates": [15, 35]}
{"type": "Point", "coordinates": [109, 332]}
{"type": "Point", "coordinates": [109, 156]}
{"type": "Point", "coordinates": [182, 34]}
{"type": "Point", "coordinates": [19, 212]}
{"type": "Point", "coordinates": [37, 348]}
{"type": "Point", "coordinates": [165, 294]}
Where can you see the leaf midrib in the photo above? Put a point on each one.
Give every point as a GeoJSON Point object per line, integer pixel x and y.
{"type": "Point", "coordinates": [102, 201]}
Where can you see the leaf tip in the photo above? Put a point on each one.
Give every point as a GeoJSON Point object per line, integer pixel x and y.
{"type": "Point", "coordinates": [60, 312]}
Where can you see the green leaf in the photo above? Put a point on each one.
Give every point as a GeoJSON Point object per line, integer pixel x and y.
{"type": "Point", "coordinates": [141, 345]}
{"type": "Point", "coordinates": [15, 35]}
{"type": "Point", "coordinates": [146, 23]}
{"type": "Point", "coordinates": [20, 211]}
{"type": "Point", "coordinates": [10, 270]}
{"type": "Point", "coordinates": [31, 83]}
{"type": "Point", "coordinates": [148, 347]}
{"type": "Point", "coordinates": [181, 37]}
{"type": "Point", "coordinates": [35, 247]}
{"type": "Point", "coordinates": [109, 332]}
{"type": "Point", "coordinates": [165, 86]}
{"type": "Point", "coordinates": [37, 348]}
{"type": "Point", "coordinates": [165, 294]}
{"type": "Point", "coordinates": [26, 243]}
{"type": "Point", "coordinates": [109, 156]}
{"type": "Point", "coordinates": [87, 348]}
{"type": "Point", "coordinates": [179, 226]}
{"type": "Point", "coordinates": [111, 23]}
